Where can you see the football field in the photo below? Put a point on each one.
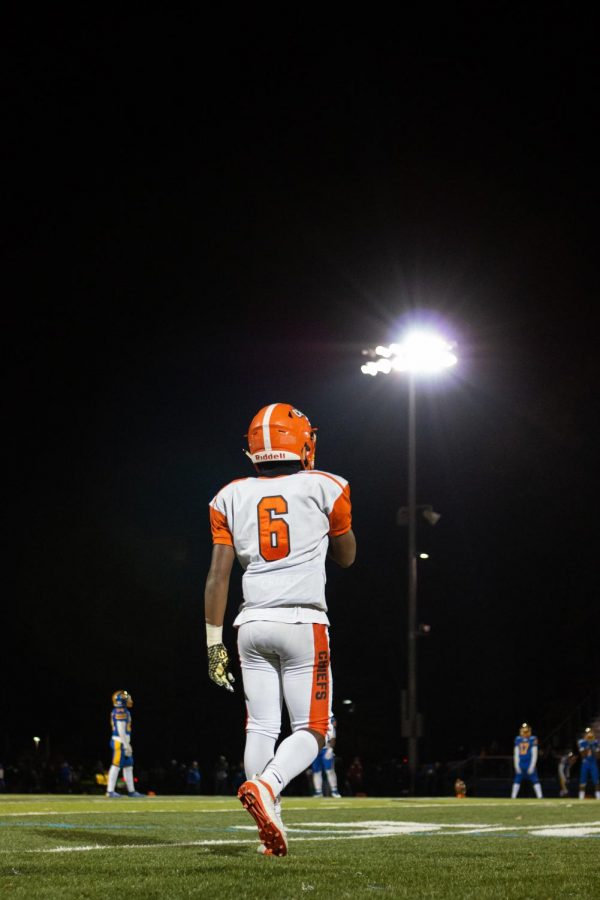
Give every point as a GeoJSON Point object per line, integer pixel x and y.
{"type": "Point", "coordinates": [176, 847]}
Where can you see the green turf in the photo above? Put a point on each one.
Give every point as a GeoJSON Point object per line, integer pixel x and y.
{"type": "Point", "coordinates": [176, 847]}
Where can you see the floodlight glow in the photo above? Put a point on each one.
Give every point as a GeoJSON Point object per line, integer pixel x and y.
{"type": "Point", "coordinates": [423, 555]}
{"type": "Point", "coordinates": [369, 368]}
{"type": "Point", "coordinates": [419, 351]}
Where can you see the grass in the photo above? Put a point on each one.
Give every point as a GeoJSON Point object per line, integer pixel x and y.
{"type": "Point", "coordinates": [178, 847]}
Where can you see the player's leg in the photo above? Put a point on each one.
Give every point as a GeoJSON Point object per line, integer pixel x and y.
{"type": "Point", "coordinates": [115, 768]}
{"type": "Point", "coordinates": [330, 774]}
{"type": "Point", "coordinates": [128, 776]}
{"type": "Point", "coordinates": [304, 654]}
{"type": "Point", "coordinates": [262, 689]}
{"type": "Point", "coordinates": [537, 787]}
{"type": "Point", "coordinates": [264, 697]}
{"type": "Point", "coordinates": [562, 782]}
{"type": "Point", "coordinates": [317, 776]}
{"type": "Point", "coordinates": [516, 785]}
{"type": "Point", "coordinates": [127, 763]}
{"type": "Point", "coordinates": [583, 778]}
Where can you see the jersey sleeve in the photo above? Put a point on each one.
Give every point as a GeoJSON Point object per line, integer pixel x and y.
{"type": "Point", "coordinates": [340, 517]}
{"type": "Point", "coordinates": [221, 533]}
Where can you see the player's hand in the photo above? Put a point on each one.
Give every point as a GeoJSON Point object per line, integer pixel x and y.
{"type": "Point", "coordinates": [531, 771]}
{"type": "Point", "coordinates": [218, 661]}
{"type": "Point", "coordinates": [128, 749]}
{"type": "Point", "coordinates": [328, 753]}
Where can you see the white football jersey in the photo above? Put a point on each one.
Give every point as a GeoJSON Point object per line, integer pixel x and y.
{"type": "Point", "coordinates": [280, 528]}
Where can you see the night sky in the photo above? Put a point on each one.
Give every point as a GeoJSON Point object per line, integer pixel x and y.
{"type": "Point", "coordinates": [209, 215]}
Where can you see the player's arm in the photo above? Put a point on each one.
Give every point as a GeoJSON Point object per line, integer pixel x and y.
{"type": "Point", "coordinates": [342, 549]}
{"type": "Point", "coordinates": [534, 758]}
{"type": "Point", "coordinates": [516, 757]}
{"type": "Point", "coordinates": [342, 543]}
{"type": "Point", "coordinates": [216, 591]}
{"type": "Point", "coordinates": [123, 736]}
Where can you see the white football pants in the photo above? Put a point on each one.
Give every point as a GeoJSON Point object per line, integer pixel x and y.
{"type": "Point", "coordinates": [283, 663]}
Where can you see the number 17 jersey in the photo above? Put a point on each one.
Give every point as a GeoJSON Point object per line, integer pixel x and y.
{"type": "Point", "coordinates": [279, 528]}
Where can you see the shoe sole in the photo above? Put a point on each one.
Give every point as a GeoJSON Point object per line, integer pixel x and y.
{"type": "Point", "coordinates": [269, 833]}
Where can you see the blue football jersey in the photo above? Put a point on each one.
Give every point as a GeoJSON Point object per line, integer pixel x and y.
{"type": "Point", "coordinates": [589, 748]}
{"type": "Point", "coordinates": [120, 714]}
{"type": "Point", "coordinates": [525, 746]}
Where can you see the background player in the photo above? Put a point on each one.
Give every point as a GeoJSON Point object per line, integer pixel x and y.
{"type": "Point", "coordinates": [525, 760]}
{"type": "Point", "coordinates": [281, 526]}
{"type": "Point", "coordinates": [324, 765]}
{"type": "Point", "coordinates": [120, 743]}
{"type": "Point", "coordinates": [564, 771]}
{"type": "Point", "coordinates": [589, 747]}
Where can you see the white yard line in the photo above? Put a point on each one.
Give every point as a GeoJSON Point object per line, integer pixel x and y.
{"type": "Point", "coordinates": [110, 807]}
{"type": "Point", "coordinates": [368, 831]}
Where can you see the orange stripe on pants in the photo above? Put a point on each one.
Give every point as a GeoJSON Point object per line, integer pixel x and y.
{"type": "Point", "coordinates": [318, 719]}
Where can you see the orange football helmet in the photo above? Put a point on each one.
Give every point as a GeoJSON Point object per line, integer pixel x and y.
{"type": "Point", "coordinates": [281, 432]}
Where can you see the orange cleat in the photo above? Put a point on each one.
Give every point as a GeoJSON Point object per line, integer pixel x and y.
{"type": "Point", "coordinates": [258, 799]}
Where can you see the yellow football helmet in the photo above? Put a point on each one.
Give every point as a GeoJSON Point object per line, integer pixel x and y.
{"type": "Point", "coordinates": [122, 699]}
{"type": "Point", "coordinates": [525, 730]}
{"type": "Point", "coordinates": [589, 734]}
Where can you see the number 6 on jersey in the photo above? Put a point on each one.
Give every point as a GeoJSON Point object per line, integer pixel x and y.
{"type": "Point", "coordinates": [273, 533]}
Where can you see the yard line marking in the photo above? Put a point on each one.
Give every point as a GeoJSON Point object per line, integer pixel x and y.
{"type": "Point", "coordinates": [378, 829]}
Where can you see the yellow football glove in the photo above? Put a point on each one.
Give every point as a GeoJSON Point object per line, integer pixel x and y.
{"type": "Point", "coordinates": [218, 660]}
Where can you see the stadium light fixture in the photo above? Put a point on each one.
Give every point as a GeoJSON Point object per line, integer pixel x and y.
{"type": "Point", "coordinates": [418, 353]}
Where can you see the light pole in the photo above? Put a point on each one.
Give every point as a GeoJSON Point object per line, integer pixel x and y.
{"type": "Point", "coordinates": [417, 353]}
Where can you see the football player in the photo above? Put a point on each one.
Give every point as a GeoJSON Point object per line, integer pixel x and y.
{"type": "Point", "coordinates": [324, 764]}
{"type": "Point", "coordinates": [281, 525]}
{"type": "Point", "coordinates": [589, 748]}
{"type": "Point", "coordinates": [525, 760]}
{"type": "Point", "coordinates": [564, 770]}
{"type": "Point", "coordinates": [120, 744]}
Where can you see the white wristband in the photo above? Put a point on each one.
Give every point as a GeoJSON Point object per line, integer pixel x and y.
{"type": "Point", "coordinates": [214, 634]}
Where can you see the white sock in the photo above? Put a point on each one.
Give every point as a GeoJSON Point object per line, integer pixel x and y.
{"type": "Point", "coordinates": [113, 774]}
{"type": "Point", "coordinates": [294, 755]}
{"type": "Point", "coordinates": [515, 790]}
{"type": "Point", "coordinates": [597, 795]}
{"type": "Point", "coordinates": [128, 776]}
{"type": "Point", "coordinates": [582, 795]}
{"type": "Point", "coordinates": [318, 782]}
{"type": "Point", "coordinates": [538, 791]}
{"type": "Point", "coordinates": [259, 751]}
{"type": "Point", "coordinates": [332, 779]}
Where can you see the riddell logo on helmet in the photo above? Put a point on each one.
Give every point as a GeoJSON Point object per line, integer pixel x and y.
{"type": "Point", "coordinates": [266, 455]}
